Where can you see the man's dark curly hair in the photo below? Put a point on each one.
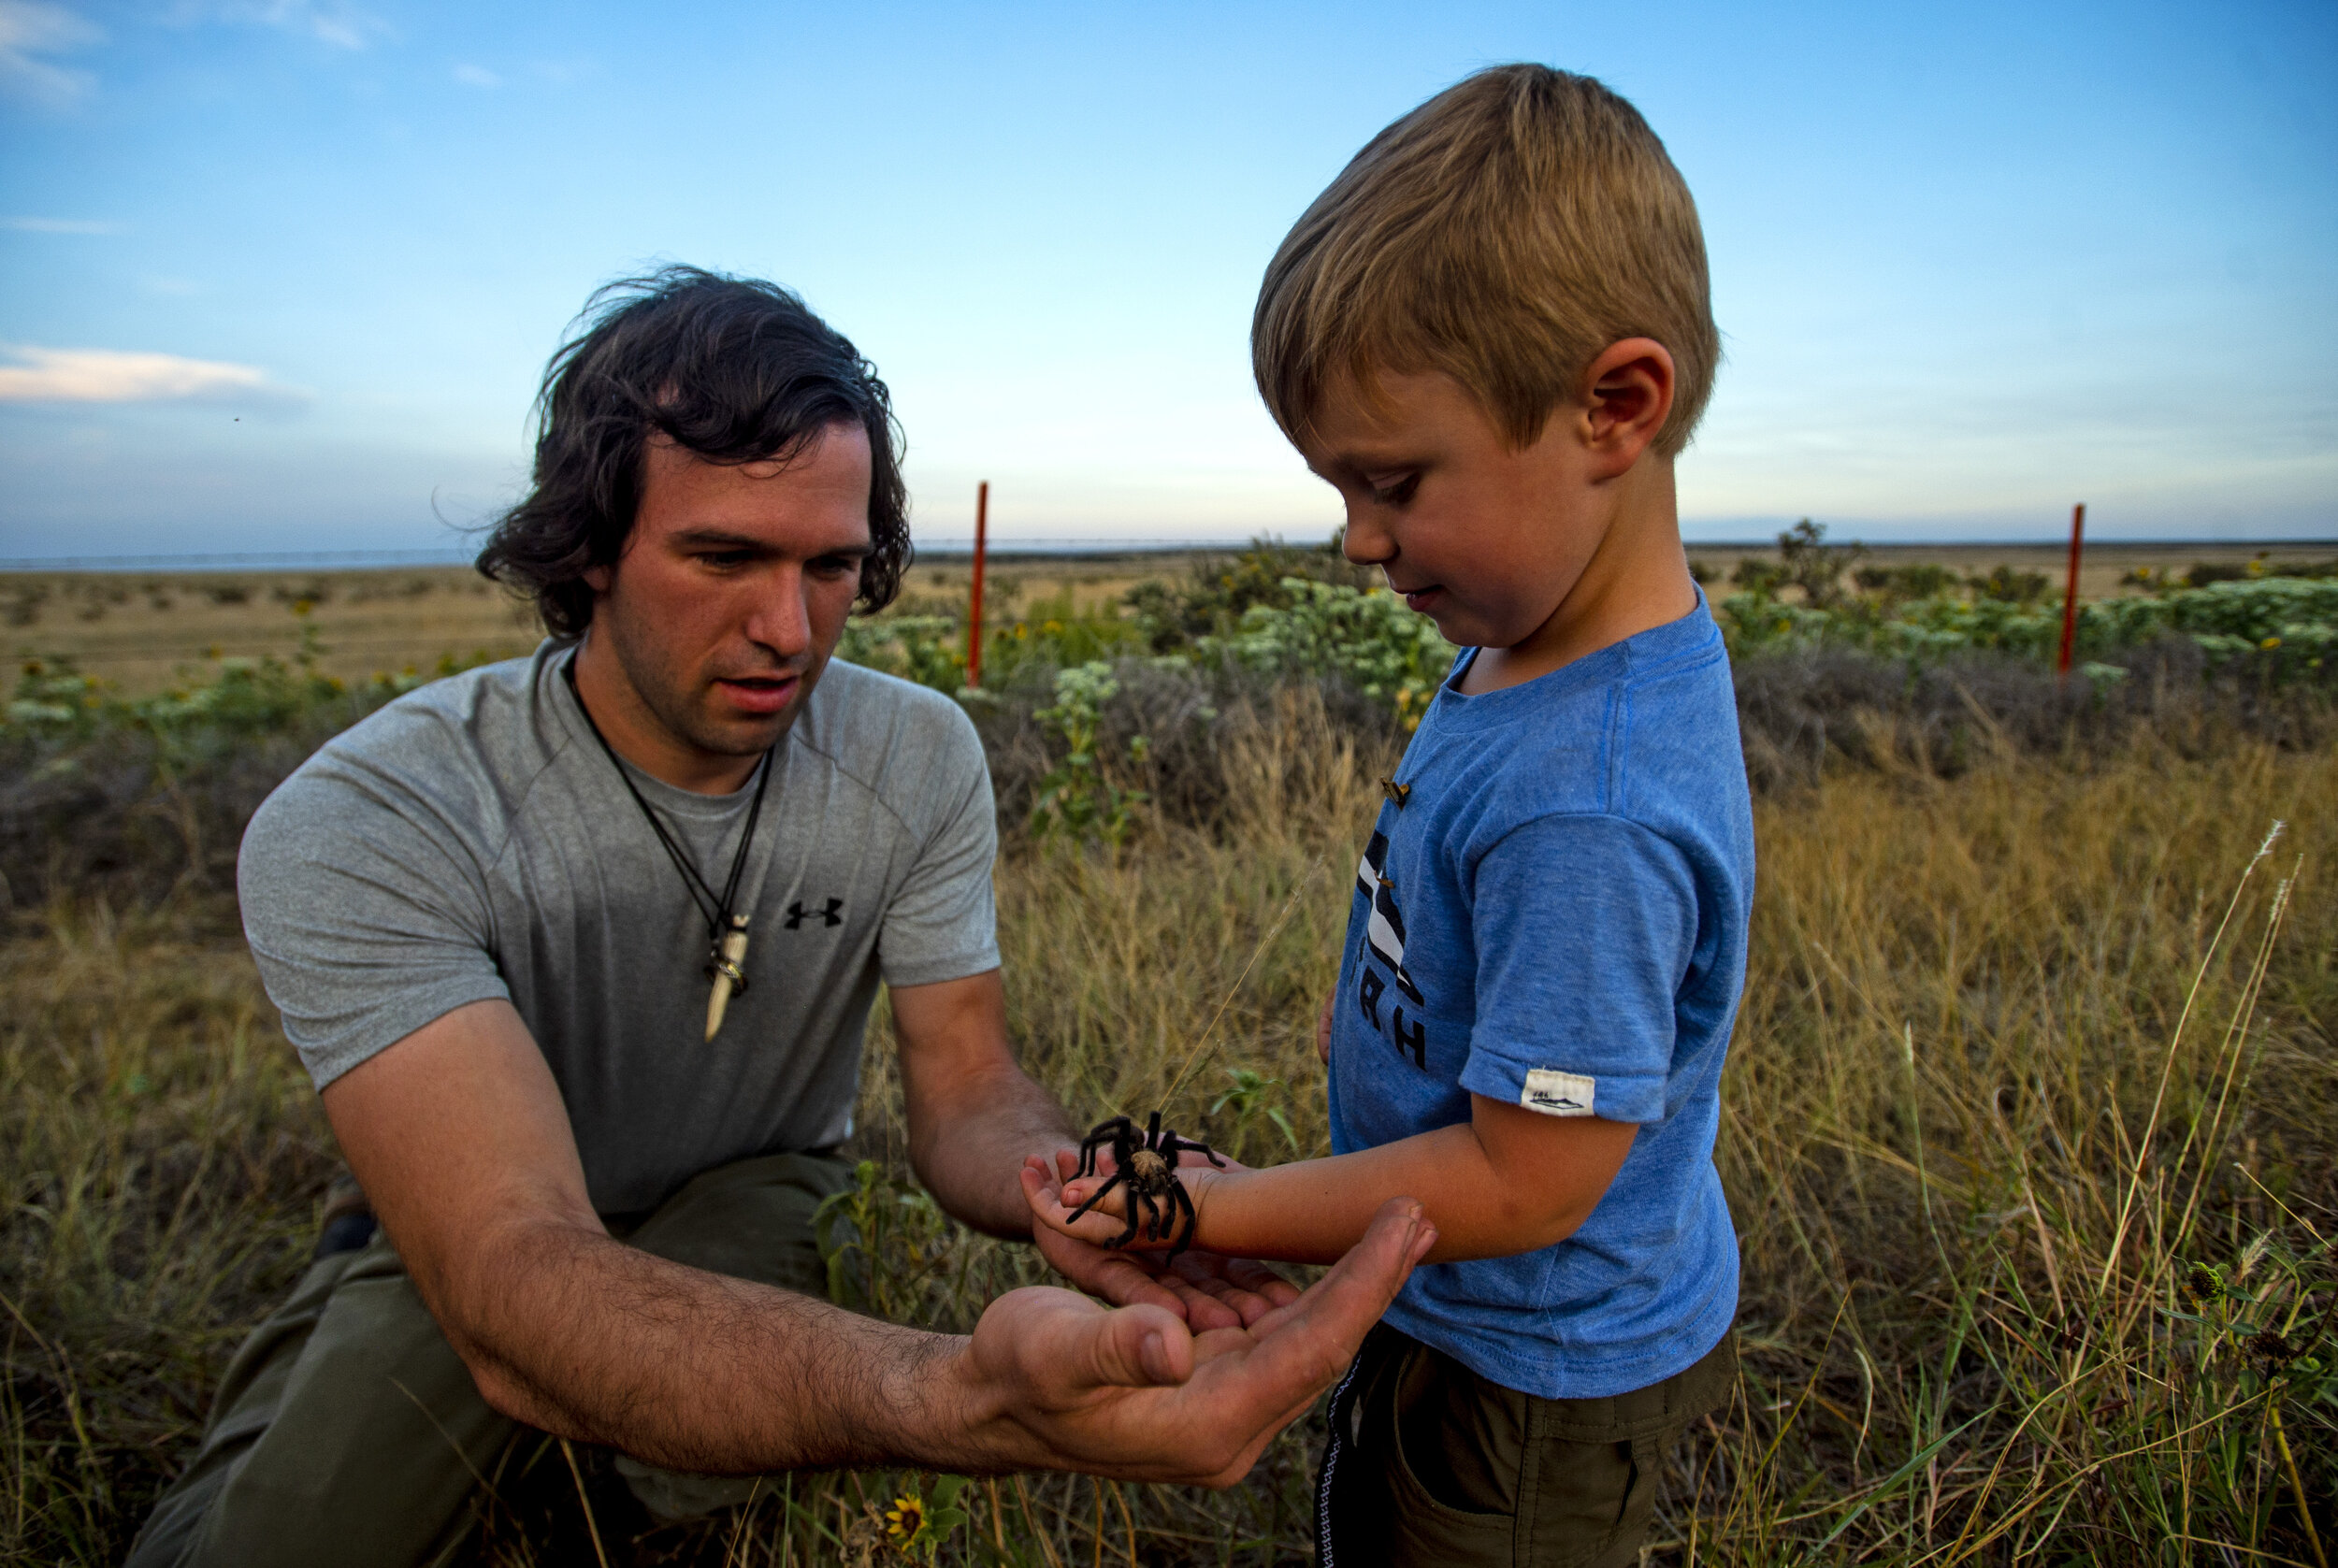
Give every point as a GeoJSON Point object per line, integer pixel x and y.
{"type": "Point", "coordinates": [736, 370]}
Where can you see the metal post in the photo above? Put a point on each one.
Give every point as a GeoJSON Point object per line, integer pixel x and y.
{"type": "Point", "coordinates": [973, 618]}
{"type": "Point", "coordinates": [2070, 594]}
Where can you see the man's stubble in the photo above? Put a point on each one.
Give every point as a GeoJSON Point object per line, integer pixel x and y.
{"type": "Point", "coordinates": [680, 699]}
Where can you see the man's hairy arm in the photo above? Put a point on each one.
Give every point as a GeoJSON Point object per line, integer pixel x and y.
{"type": "Point", "coordinates": [974, 1114]}
{"type": "Point", "coordinates": [459, 1136]}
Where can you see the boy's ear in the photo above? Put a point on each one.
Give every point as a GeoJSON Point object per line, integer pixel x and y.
{"type": "Point", "coordinates": [1627, 395]}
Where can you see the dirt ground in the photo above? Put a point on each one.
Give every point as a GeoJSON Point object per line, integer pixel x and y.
{"type": "Point", "coordinates": [143, 630]}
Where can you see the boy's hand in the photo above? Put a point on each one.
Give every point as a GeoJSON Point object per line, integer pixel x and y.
{"type": "Point", "coordinates": [1110, 1216]}
{"type": "Point", "coordinates": [1206, 1289]}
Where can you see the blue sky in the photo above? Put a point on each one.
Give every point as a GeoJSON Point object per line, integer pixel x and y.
{"type": "Point", "coordinates": [281, 274]}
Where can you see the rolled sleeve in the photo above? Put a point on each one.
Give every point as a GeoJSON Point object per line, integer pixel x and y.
{"type": "Point", "coordinates": [1578, 969]}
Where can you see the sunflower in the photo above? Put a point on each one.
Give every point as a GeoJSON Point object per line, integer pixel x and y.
{"type": "Point", "coordinates": [905, 1522]}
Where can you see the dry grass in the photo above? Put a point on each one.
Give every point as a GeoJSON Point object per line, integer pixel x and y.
{"type": "Point", "coordinates": [1972, 1156]}
{"type": "Point", "coordinates": [147, 631]}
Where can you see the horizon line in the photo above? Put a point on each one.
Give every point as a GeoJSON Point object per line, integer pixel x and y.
{"type": "Point", "coordinates": [1092, 547]}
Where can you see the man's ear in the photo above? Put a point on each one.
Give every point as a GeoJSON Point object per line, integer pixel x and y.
{"type": "Point", "coordinates": [1626, 398]}
{"type": "Point", "coordinates": [597, 578]}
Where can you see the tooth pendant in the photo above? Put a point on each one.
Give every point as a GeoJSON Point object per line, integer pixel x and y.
{"type": "Point", "coordinates": [729, 978]}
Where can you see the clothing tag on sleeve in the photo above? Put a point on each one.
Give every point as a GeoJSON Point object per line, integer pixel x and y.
{"type": "Point", "coordinates": [1558, 1094]}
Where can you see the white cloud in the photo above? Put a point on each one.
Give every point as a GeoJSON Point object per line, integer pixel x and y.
{"type": "Point", "coordinates": [477, 76]}
{"type": "Point", "coordinates": [338, 22]}
{"type": "Point", "coordinates": [32, 29]}
{"type": "Point", "coordinates": [113, 376]}
{"type": "Point", "coordinates": [61, 225]}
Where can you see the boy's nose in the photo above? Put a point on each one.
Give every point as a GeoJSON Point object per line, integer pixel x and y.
{"type": "Point", "coordinates": [1364, 542]}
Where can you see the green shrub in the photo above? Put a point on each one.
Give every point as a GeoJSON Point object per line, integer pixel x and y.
{"type": "Point", "coordinates": [1172, 616]}
{"type": "Point", "coordinates": [2007, 586]}
{"type": "Point", "coordinates": [1080, 799]}
{"type": "Point", "coordinates": [2282, 627]}
{"type": "Point", "coordinates": [1366, 638]}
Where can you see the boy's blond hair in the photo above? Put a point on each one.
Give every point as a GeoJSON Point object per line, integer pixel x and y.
{"type": "Point", "coordinates": [1505, 233]}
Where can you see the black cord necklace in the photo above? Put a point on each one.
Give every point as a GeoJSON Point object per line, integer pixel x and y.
{"type": "Point", "coordinates": [726, 927]}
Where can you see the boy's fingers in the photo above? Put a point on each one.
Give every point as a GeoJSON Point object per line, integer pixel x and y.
{"type": "Point", "coordinates": [1037, 1192]}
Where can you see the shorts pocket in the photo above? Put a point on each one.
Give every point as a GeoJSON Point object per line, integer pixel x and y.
{"type": "Point", "coordinates": [1591, 1501]}
{"type": "Point", "coordinates": [1425, 1529]}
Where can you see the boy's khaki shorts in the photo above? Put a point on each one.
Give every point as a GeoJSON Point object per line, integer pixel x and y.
{"type": "Point", "coordinates": [1429, 1463]}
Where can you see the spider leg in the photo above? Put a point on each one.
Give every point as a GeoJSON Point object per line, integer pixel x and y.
{"type": "Point", "coordinates": [1110, 1132]}
{"type": "Point", "coordinates": [1184, 1202]}
{"type": "Point", "coordinates": [1138, 1203]}
{"type": "Point", "coordinates": [1110, 1181]}
{"type": "Point", "coordinates": [1175, 1145]}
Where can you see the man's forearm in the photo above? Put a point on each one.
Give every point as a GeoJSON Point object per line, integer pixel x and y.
{"type": "Point", "coordinates": [587, 1338]}
{"type": "Point", "coordinates": [968, 1145]}
{"type": "Point", "coordinates": [973, 1114]}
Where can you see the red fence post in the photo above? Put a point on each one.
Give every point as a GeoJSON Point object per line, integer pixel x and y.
{"type": "Point", "coordinates": [974, 619]}
{"type": "Point", "coordinates": [2070, 594]}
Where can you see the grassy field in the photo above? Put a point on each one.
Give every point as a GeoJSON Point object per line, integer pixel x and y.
{"type": "Point", "coordinates": [2029, 1133]}
{"type": "Point", "coordinates": [144, 631]}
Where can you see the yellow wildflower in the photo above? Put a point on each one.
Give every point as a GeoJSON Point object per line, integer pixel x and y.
{"type": "Point", "coordinates": [905, 1521]}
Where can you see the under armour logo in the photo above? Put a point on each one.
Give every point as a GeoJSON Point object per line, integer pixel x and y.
{"type": "Point", "coordinates": [798, 914]}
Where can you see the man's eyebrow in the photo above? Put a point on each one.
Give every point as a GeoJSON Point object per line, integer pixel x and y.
{"type": "Point", "coordinates": [723, 538]}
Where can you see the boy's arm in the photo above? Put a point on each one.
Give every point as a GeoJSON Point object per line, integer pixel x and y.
{"type": "Point", "coordinates": [1578, 972]}
{"type": "Point", "coordinates": [1511, 1180]}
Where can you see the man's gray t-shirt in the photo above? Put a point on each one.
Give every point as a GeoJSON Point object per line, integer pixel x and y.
{"type": "Point", "coordinates": [472, 841]}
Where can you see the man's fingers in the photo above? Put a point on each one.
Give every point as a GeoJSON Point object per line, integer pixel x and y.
{"type": "Point", "coordinates": [1249, 1275]}
{"type": "Point", "coordinates": [1301, 1348]}
{"type": "Point", "coordinates": [1115, 1276]}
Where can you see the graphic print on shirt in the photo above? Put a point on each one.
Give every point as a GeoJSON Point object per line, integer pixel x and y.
{"type": "Point", "coordinates": [1384, 946]}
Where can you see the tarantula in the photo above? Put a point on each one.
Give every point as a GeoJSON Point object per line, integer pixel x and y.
{"type": "Point", "coordinates": [1148, 1162]}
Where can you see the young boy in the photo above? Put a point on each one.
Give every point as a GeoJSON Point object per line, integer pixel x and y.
{"type": "Point", "coordinates": [1492, 335]}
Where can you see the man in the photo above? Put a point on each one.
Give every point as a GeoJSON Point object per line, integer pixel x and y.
{"type": "Point", "coordinates": [580, 950]}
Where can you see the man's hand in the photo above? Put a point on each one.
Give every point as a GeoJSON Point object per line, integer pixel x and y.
{"type": "Point", "coordinates": [1135, 1394]}
{"type": "Point", "coordinates": [1205, 1290]}
{"type": "Point", "coordinates": [1323, 1028]}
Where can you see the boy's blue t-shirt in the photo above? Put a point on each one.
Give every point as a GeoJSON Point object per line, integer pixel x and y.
{"type": "Point", "coordinates": [1556, 917]}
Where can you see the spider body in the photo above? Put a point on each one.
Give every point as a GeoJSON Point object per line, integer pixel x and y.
{"type": "Point", "coordinates": [1148, 1162]}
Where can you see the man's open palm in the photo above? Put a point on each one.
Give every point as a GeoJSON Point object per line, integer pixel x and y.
{"type": "Point", "coordinates": [1136, 1394]}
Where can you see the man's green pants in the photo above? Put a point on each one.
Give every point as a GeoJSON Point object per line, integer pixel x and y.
{"type": "Point", "coordinates": [347, 1430]}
